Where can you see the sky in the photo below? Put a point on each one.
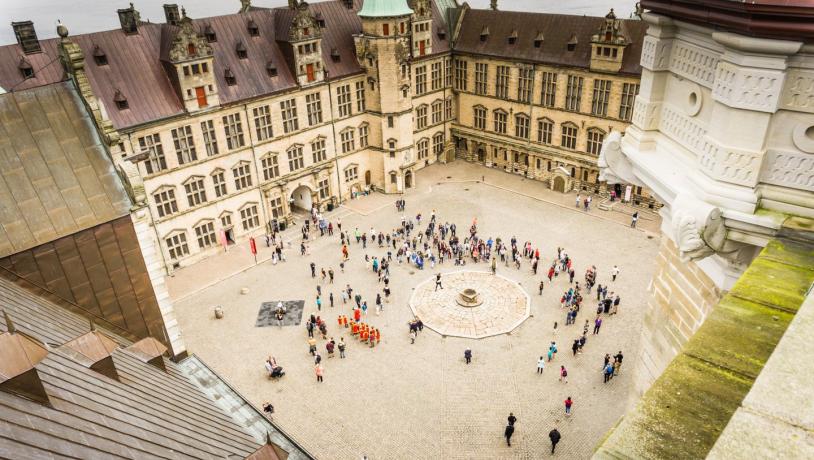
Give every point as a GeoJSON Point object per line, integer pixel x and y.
{"type": "Point", "coordinates": [83, 16]}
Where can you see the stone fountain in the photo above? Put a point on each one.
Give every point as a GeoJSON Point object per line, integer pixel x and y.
{"type": "Point", "coordinates": [469, 298]}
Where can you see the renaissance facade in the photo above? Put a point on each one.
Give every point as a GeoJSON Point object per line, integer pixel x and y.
{"type": "Point", "coordinates": [226, 127]}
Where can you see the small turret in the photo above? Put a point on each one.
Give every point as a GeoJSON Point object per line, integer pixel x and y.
{"type": "Point", "coordinates": [608, 45]}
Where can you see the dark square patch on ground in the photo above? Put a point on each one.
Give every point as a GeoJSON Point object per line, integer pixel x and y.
{"type": "Point", "coordinates": [293, 313]}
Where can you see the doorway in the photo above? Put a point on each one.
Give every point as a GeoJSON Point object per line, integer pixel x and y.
{"type": "Point", "coordinates": [301, 198]}
{"type": "Point", "coordinates": [481, 154]}
{"type": "Point", "coordinates": [230, 236]}
{"type": "Point", "coordinates": [559, 184]}
{"type": "Point", "coordinates": [367, 178]}
{"type": "Point", "coordinates": [408, 179]}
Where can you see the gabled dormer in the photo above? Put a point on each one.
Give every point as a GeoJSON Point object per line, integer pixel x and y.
{"type": "Point", "coordinates": [188, 58]}
{"type": "Point", "coordinates": [305, 37]}
{"type": "Point", "coordinates": [422, 28]}
{"type": "Point", "coordinates": [608, 45]}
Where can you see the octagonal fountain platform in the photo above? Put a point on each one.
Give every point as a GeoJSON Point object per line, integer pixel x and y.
{"type": "Point", "coordinates": [472, 304]}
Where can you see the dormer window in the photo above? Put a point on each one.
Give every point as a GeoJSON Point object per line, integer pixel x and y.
{"type": "Point", "coordinates": [240, 49]}
{"type": "Point", "coordinates": [229, 76]}
{"type": "Point", "coordinates": [254, 31]}
{"type": "Point", "coordinates": [120, 100]}
{"type": "Point", "coordinates": [572, 43]}
{"type": "Point", "coordinates": [484, 33]}
{"type": "Point", "coordinates": [99, 56]}
{"type": "Point", "coordinates": [209, 33]}
{"type": "Point", "coordinates": [271, 69]}
{"type": "Point", "coordinates": [320, 20]}
{"type": "Point", "coordinates": [442, 33]}
{"type": "Point", "coordinates": [25, 68]}
{"type": "Point", "coordinates": [538, 40]}
{"type": "Point", "coordinates": [513, 37]}
{"type": "Point", "coordinates": [335, 55]}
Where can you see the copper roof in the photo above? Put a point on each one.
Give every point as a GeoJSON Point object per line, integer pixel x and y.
{"type": "Point", "coordinates": [558, 29]}
{"type": "Point", "coordinates": [786, 19]}
{"type": "Point", "coordinates": [55, 175]}
{"type": "Point", "coordinates": [90, 347]}
{"type": "Point", "coordinates": [147, 348]}
{"type": "Point", "coordinates": [18, 352]}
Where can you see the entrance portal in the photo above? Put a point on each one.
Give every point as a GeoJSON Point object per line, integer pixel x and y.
{"type": "Point", "coordinates": [301, 198]}
{"type": "Point", "coordinates": [559, 184]}
{"type": "Point", "coordinates": [481, 155]}
{"type": "Point", "coordinates": [408, 179]}
{"type": "Point", "coordinates": [367, 177]}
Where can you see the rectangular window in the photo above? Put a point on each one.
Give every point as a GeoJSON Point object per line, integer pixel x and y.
{"type": "Point", "coordinates": [460, 75]}
{"type": "Point", "coordinates": [243, 176]}
{"type": "Point", "coordinates": [210, 140]}
{"type": "Point", "coordinates": [524, 84]}
{"type": "Point", "coordinates": [249, 218]}
{"type": "Point", "coordinates": [423, 148]}
{"type": "Point", "coordinates": [548, 95]}
{"type": "Point", "coordinates": [594, 144]}
{"type": "Point", "coordinates": [184, 144]}
{"type": "Point", "coordinates": [343, 101]}
{"type": "Point", "coordinates": [481, 78]}
{"type": "Point", "coordinates": [435, 76]}
{"type": "Point", "coordinates": [360, 96]}
{"type": "Point", "coordinates": [629, 92]}
{"type": "Point", "coordinates": [521, 126]}
{"type": "Point", "coordinates": [233, 129]}
{"type": "Point", "coordinates": [219, 182]}
{"type": "Point", "coordinates": [421, 117]}
{"type": "Point", "coordinates": [205, 233]}
{"type": "Point", "coordinates": [502, 82]}
{"type": "Point", "coordinates": [479, 121]}
{"type": "Point", "coordinates": [346, 137]}
{"type": "Point", "coordinates": [500, 122]}
{"type": "Point", "coordinates": [262, 122]}
{"type": "Point", "coordinates": [271, 167]}
{"type": "Point", "coordinates": [322, 186]}
{"type": "Point", "coordinates": [156, 161]}
{"type": "Point", "coordinates": [385, 29]}
{"type": "Point", "coordinates": [448, 108]}
{"type": "Point", "coordinates": [569, 137]}
{"type": "Point", "coordinates": [318, 152]}
{"type": "Point", "coordinates": [289, 111]}
{"type": "Point", "coordinates": [545, 129]}
{"type": "Point", "coordinates": [226, 220]}
{"type": "Point", "coordinates": [448, 72]}
{"type": "Point", "coordinates": [177, 246]}
{"type": "Point", "coordinates": [599, 104]}
{"type": "Point", "coordinates": [196, 193]}
{"type": "Point", "coordinates": [573, 94]}
{"type": "Point", "coordinates": [351, 173]}
{"type": "Point", "coordinates": [438, 144]}
{"type": "Point", "coordinates": [313, 106]}
{"type": "Point", "coordinates": [165, 202]}
{"type": "Point", "coordinates": [295, 158]}
{"type": "Point", "coordinates": [437, 110]}
{"type": "Point", "coordinates": [420, 80]}
{"type": "Point", "coordinates": [276, 207]}
{"type": "Point", "coordinates": [363, 135]}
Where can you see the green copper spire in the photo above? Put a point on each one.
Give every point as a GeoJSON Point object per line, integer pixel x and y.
{"type": "Point", "coordinates": [384, 8]}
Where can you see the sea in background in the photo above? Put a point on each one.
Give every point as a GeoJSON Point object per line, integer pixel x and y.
{"type": "Point", "coordinates": [84, 16]}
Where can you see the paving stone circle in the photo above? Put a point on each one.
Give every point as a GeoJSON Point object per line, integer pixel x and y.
{"type": "Point", "coordinates": [505, 305]}
{"type": "Point", "coordinates": [293, 313]}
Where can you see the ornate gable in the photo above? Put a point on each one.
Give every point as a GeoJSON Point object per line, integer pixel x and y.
{"type": "Point", "coordinates": [187, 43]}
{"type": "Point", "coordinates": [304, 26]}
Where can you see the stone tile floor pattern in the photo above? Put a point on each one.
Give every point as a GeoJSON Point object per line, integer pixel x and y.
{"type": "Point", "coordinates": [421, 401]}
{"type": "Point", "coordinates": [505, 305]}
{"type": "Point", "coordinates": [292, 317]}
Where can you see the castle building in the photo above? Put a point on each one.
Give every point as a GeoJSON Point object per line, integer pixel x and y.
{"type": "Point", "coordinates": [229, 126]}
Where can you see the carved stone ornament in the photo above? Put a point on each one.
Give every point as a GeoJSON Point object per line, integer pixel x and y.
{"type": "Point", "coordinates": [614, 165]}
{"type": "Point", "coordinates": [304, 26]}
{"type": "Point", "coordinates": [186, 36]}
{"type": "Point", "coordinates": [698, 229]}
{"type": "Point", "coordinates": [402, 53]}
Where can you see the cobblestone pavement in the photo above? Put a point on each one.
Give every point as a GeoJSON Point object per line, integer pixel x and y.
{"type": "Point", "coordinates": [503, 305]}
{"type": "Point", "coordinates": [421, 401]}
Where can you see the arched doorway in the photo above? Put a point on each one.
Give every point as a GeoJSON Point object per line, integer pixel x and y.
{"type": "Point", "coordinates": [481, 154]}
{"type": "Point", "coordinates": [408, 179]}
{"type": "Point", "coordinates": [301, 198]}
{"type": "Point", "coordinates": [559, 184]}
{"type": "Point", "coordinates": [367, 177]}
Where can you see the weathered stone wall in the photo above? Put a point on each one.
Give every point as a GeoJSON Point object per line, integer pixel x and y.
{"type": "Point", "coordinates": [681, 297]}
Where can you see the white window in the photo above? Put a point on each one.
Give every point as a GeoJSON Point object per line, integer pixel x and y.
{"type": "Point", "coordinates": [569, 136]}
{"type": "Point", "coordinates": [295, 158]}
{"type": "Point", "coordinates": [248, 217]}
{"type": "Point", "coordinates": [500, 121]}
{"type": "Point", "coordinates": [629, 92]}
{"type": "Point", "coordinates": [548, 95]}
{"type": "Point", "coordinates": [243, 176]}
{"type": "Point", "coordinates": [481, 78]}
{"type": "Point", "coordinates": [165, 202]}
{"type": "Point", "coordinates": [219, 182]}
{"type": "Point", "coordinates": [233, 129]}
{"type": "Point", "coordinates": [271, 166]}
{"type": "Point", "coordinates": [276, 207]}
{"type": "Point", "coordinates": [502, 83]}
{"type": "Point", "coordinates": [363, 136]}
{"type": "Point", "coordinates": [594, 144]}
{"type": "Point", "coordinates": [318, 152]}
{"type": "Point", "coordinates": [437, 110]}
{"type": "Point", "coordinates": [461, 75]}
{"type": "Point", "coordinates": [545, 129]}
{"type": "Point", "coordinates": [360, 96]}
{"type": "Point", "coordinates": [448, 72]}
{"type": "Point", "coordinates": [177, 245]}
{"type": "Point", "coordinates": [524, 84]}
{"type": "Point", "coordinates": [521, 126]}
{"type": "Point", "coordinates": [423, 148]}
{"type": "Point", "coordinates": [448, 108]}
{"type": "Point", "coordinates": [196, 193]}
{"type": "Point", "coordinates": [479, 114]}
{"type": "Point", "coordinates": [573, 94]}
{"type": "Point", "coordinates": [343, 101]}
{"type": "Point", "coordinates": [209, 137]}
{"type": "Point", "coordinates": [421, 117]}
{"type": "Point", "coordinates": [322, 187]}
{"type": "Point", "coordinates": [435, 75]}
{"type": "Point", "coordinates": [351, 173]}
{"type": "Point", "coordinates": [420, 80]}
{"type": "Point", "coordinates": [205, 233]}
{"type": "Point", "coordinates": [289, 111]}
{"type": "Point", "coordinates": [156, 161]}
{"type": "Point", "coordinates": [438, 144]}
{"type": "Point", "coordinates": [599, 104]}
{"type": "Point", "coordinates": [313, 106]}
{"type": "Point", "coordinates": [184, 144]}
{"type": "Point", "coordinates": [346, 138]}
{"type": "Point", "coordinates": [262, 122]}
{"type": "Point", "coordinates": [226, 220]}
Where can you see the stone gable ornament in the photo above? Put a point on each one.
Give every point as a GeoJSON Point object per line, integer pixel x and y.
{"type": "Point", "coordinates": [187, 43]}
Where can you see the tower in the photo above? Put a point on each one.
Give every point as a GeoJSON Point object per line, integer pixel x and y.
{"type": "Point", "coordinates": [608, 45]}
{"type": "Point", "coordinates": [422, 28]}
{"type": "Point", "coordinates": [189, 62]}
{"type": "Point", "coordinates": [383, 50]}
{"type": "Point", "coordinates": [305, 38]}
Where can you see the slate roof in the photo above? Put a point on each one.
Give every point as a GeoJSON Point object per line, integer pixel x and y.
{"type": "Point", "coordinates": [557, 30]}
{"type": "Point", "coordinates": [56, 177]}
{"type": "Point", "coordinates": [148, 413]}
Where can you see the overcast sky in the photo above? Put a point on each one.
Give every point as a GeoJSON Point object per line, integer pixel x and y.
{"type": "Point", "coordinates": [83, 16]}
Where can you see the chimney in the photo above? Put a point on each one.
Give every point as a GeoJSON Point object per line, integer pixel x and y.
{"type": "Point", "coordinates": [129, 19]}
{"type": "Point", "coordinates": [171, 14]}
{"type": "Point", "coordinates": [19, 355]}
{"type": "Point", "coordinates": [150, 351]}
{"type": "Point", "coordinates": [348, 4]}
{"type": "Point", "coordinates": [26, 36]}
{"type": "Point", "coordinates": [93, 350]}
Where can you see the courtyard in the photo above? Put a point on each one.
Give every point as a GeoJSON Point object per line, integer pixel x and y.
{"type": "Point", "coordinates": [403, 400]}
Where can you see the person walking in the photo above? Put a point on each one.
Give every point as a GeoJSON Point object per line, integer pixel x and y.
{"type": "Point", "coordinates": [438, 282]}
{"type": "Point", "coordinates": [563, 374]}
{"type": "Point", "coordinates": [508, 434]}
{"type": "Point", "coordinates": [568, 403]}
{"type": "Point", "coordinates": [412, 336]}
{"type": "Point", "coordinates": [341, 346]}
{"type": "Point", "coordinates": [617, 362]}
{"type": "Point", "coordinates": [494, 265]}
{"type": "Point", "coordinates": [511, 419]}
{"type": "Point", "coordinates": [542, 285]}
{"type": "Point", "coordinates": [608, 372]}
{"type": "Point", "coordinates": [555, 437]}
{"type": "Point", "coordinates": [614, 272]}
{"type": "Point", "coordinates": [597, 324]}
{"type": "Point", "coordinates": [319, 370]}
{"type": "Point", "coordinates": [313, 270]}
{"type": "Point", "coordinates": [634, 219]}
{"type": "Point", "coordinates": [540, 365]}
{"type": "Point", "coordinates": [468, 355]}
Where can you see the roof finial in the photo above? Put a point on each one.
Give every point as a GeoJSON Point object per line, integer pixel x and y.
{"type": "Point", "coordinates": [9, 323]}
{"type": "Point", "coordinates": [62, 31]}
{"type": "Point", "coordinates": [92, 325]}
{"type": "Point", "coordinates": [183, 12]}
{"type": "Point", "coordinates": [245, 5]}
{"type": "Point", "coordinates": [493, 5]}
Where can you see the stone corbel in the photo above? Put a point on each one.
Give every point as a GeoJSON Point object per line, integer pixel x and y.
{"type": "Point", "coordinates": [698, 229]}
{"type": "Point", "coordinates": [614, 165]}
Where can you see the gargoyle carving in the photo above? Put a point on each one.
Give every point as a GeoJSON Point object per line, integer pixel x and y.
{"type": "Point", "coordinates": [614, 166]}
{"type": "Point", "coordinates": [698, 229]}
